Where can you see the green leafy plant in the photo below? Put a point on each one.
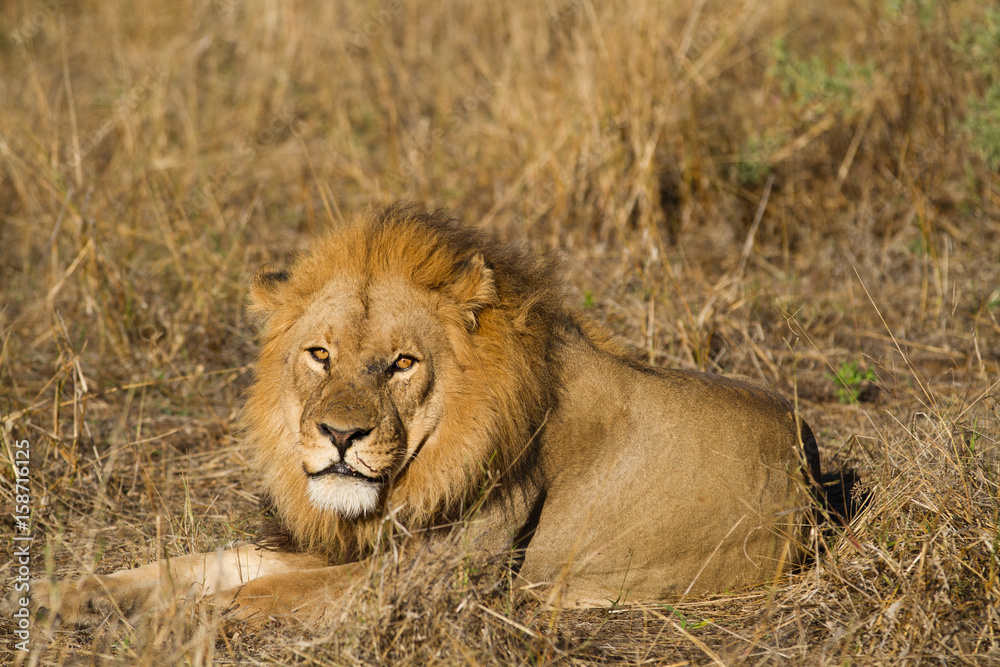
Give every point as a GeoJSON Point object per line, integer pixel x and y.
{"type": "Point", "coordinates": [982, 124]}
{"type": "Point", "coordinates": [923, 10]}
{"type": "Point", "coordinates": [684, 621]}
{"type": "Point", "coordinates": [993, 302]}
{"type": "Point", "coordinates": [813, 81]}
{"type": "Point", "coordinates": [977, 48]}
{"type": "Point", "coordinates": [753, 164]}
{"type": "Point", "coordinates": [850, 379]}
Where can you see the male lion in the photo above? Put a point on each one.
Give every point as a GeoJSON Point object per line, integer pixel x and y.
{"type": "Point", "coordinates": [409, 365]}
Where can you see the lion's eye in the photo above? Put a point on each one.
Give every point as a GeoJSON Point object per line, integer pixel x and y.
{"type": "Point", "coordinates": [403, 364]}
{"type": "Point", "coordinates": [319, 354]}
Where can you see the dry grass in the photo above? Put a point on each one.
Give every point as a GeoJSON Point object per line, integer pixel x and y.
{"type": "Point", "coordinates": [782, 189]}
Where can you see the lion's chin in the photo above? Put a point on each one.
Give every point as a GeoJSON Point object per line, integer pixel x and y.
{"type": "Point", "coordinates": [349, 497]}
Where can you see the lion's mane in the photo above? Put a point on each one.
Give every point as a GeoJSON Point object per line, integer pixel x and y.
{"type": "Point", "coordinates": [490, 421]}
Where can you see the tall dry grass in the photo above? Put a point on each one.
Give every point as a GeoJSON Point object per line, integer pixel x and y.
{"type": "Point", "coordinates": [798, 191]}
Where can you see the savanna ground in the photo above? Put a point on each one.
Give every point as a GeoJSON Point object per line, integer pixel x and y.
{"type": "Point", "coordinates": [791, 189]}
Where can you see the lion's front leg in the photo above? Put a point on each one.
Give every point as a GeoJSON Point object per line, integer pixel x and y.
{"type": "Point", "coordinates": [93, 598]}
{"type": "Point", "coordinates": [303, 595]}
{"type": "Point", "coordinates": [130, 593]}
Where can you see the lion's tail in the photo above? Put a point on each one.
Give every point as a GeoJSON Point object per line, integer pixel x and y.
{"type": "Point", "coordinates": [841, 495]}
{"type": "Point", "coordinates": [837, 491]}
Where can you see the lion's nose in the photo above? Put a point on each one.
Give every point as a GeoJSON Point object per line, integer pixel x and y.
{"type": "Point", "coordinates": [342, 439]}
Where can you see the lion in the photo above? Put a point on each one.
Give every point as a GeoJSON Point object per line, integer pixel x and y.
{"type": "Point", "coordinates": [420, 374]}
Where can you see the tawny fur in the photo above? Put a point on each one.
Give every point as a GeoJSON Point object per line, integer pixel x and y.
{"type": "Point", "coordinates": [508, 384]}
{"type": "Point", "coordinates": [512, 409]}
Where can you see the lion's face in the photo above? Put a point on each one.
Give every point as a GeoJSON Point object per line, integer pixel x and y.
{"type": "Point", "coordinates": [363, 365]}
{"type": "Point", "coordinates": [396, 374]}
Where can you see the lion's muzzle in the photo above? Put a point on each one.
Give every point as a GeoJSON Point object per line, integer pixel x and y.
{"type": "Point", "coordinates": [345, 482]}
{"type": "Point", "coordinates": [340, 468]}
{"type": "Point", "coordinates": [342, 439]}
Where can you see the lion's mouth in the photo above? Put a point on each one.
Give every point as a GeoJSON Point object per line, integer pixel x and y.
{"type": "Point", "coordinates": [343, 469]}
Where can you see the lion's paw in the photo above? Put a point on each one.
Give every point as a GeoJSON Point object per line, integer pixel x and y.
{"type": "Point", "coordinates": [89, 601]}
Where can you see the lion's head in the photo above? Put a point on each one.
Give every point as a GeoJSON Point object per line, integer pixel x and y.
{"type": "Point", "coordinates": [403, 361]}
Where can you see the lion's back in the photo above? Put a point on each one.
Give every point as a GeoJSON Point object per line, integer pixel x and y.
{"type": "Point", "coordinates": [691, 478]}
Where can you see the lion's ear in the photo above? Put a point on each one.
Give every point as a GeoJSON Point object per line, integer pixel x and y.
{"type": "Point", "coordinates": [475, 290]}
{"type": "Point", "coordinates": [266, 288]}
